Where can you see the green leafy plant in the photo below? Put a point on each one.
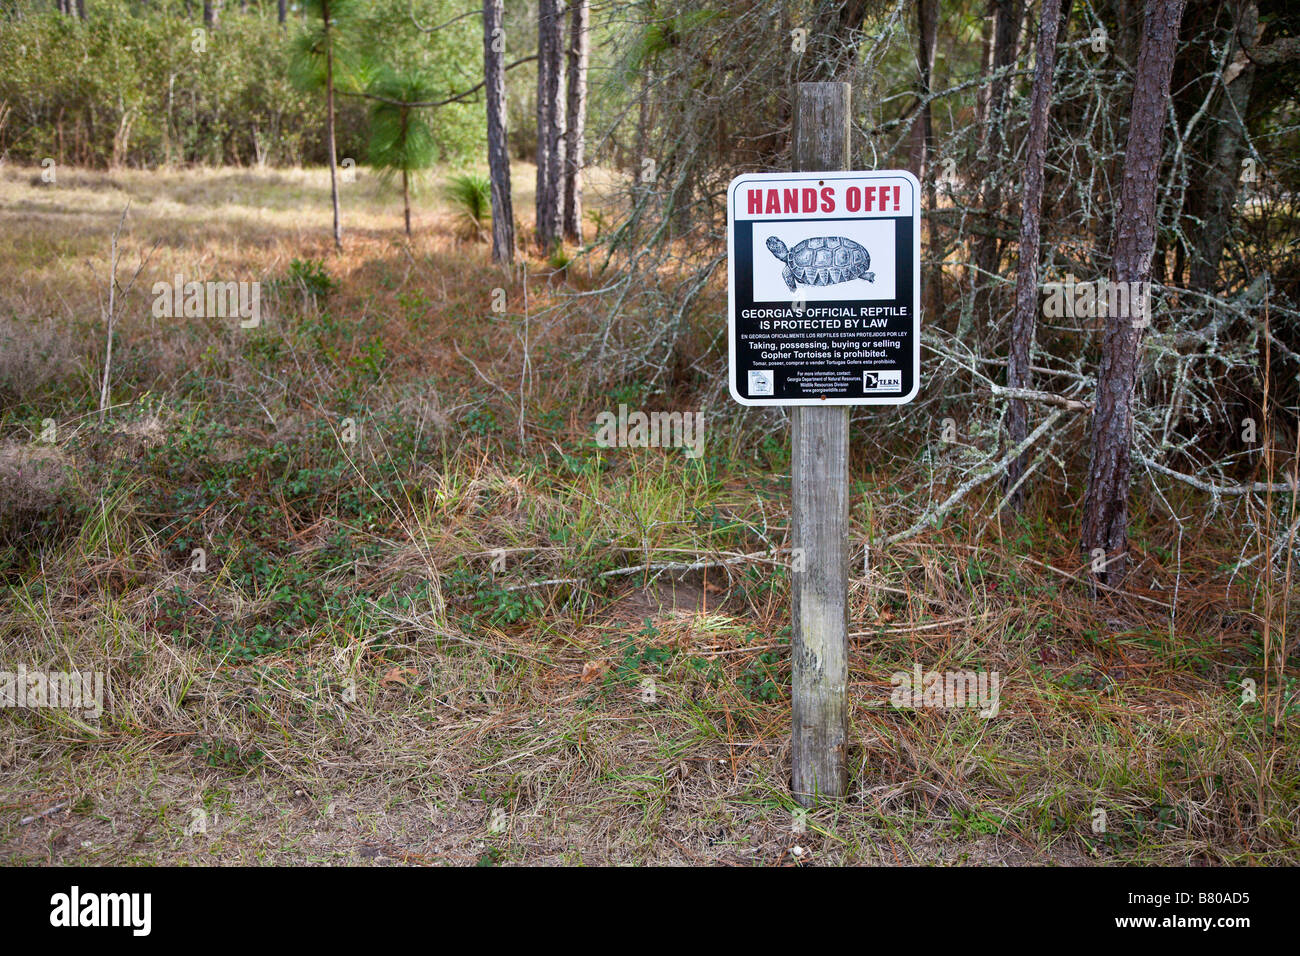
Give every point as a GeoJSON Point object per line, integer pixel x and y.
{"type": "Point", "coordinates": [311, 276]}
{"type": "Point", "coordinates": [225, 755]}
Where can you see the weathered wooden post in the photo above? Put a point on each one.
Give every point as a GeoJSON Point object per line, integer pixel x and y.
{"type": "Point", "coordinates": [819, 474]}
{"type": "Point", "coordinates": [823, 312]}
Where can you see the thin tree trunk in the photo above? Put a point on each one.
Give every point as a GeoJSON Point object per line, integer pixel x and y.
{"type": "Point", "coordinates": [922, 132]}
{"type": "Point", "coordinates": [1224, 167]}
{"type": "Point", "coordinates": [642, 124]}
{"type": "Point", "coordinates": [550, 121]}
{"type": "Point", "coordinates": [494, 77]}
{"type": "Point", "coordinates": [1105, 506]}
{"type": "Point", "coordinates": [81, 9]}
{"type": "Point", "coordinates": [406, 201]}
{"type": "Point", "coordinates": [212, 13]}
{"type": "Point", "coordinates": [1128, 20]}
{"type": "Point", "coordinates": [986, 67]}
{"type": "Point", "coordinates": [283, 10]}
{"type": "Point", "coordinates": [1123, 45]}
{"type": "Point", "coordinates": [545, 11]}
{"type": "Point", "coordinates": [927, 21]}
{"type": "Point", "coordinates": [558, 121]}
{"type": "Point", "coordinates": [1023, 322]}
{"type": "Point", "coordinates": [329, 125]}
{"type": "Point", "coordinates": [1005, 34]}
{"type": "Point", "coordinates": [575, 136]}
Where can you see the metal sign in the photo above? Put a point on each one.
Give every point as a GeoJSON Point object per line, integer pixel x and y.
{"type": "Point", "coordinates": [824, 288]}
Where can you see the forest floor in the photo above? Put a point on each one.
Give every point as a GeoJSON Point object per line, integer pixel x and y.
{"type": "Point", "coordinates": [369, 669]}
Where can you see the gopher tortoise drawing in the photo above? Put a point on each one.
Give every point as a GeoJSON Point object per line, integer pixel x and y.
{"type": "Point", "coordinates": [823, 260]}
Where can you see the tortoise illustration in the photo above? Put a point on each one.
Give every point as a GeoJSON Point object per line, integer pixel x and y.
{"type": "Point", "coordinates": [823, 260]}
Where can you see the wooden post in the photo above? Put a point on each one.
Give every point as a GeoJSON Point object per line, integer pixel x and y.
{"type": "Point", "coordinates": [819, 473]}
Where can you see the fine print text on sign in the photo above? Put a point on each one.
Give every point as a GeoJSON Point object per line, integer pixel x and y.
{"type": "Point", "coordinates": [824, 275]}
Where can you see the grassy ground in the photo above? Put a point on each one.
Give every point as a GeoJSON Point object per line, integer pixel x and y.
{"type": "Point", "coordinates": [372, 669]}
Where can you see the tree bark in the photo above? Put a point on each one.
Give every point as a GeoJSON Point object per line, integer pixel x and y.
{"type": "Point", "coordinates": [550, 121]}
{"type": "Point", "coordinates": [1105, 507]}
{"type": "Point", "coordinates": [329, 125]}
{"type": "Point", "coordinates": [494, 76]}
{"type": "Point", "coordinates": [575, 136]}
{"type": "Point", "coordinates": [922, 133]}
{"type": "Point", "coordinates": [986, 67]}
{"type": "Point", "coordinates": [642, 124]}
{"type": "Point", "coordinates": [406, 201]}
{"type": "Point", "coordinates": [1224, 167]}
{"type": "Point", "coordinates": [283, 10]}
{"type": "Point", "coordinates": [1024, 320]}
{"type": "Point", "coordinates": [1006, 32]}
{"type": "Point", "coordinates": [212, 13]}
{"type": "Point", "coordinates": [81, 9]}
{"type": "Point", "coordinates": [922, 152]}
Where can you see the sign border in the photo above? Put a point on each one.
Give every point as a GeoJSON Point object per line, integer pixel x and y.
{"type": "Point", "coordinates": [916, 285]}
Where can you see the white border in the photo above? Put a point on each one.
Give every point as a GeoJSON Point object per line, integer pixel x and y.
{"type": "Point", "coordinates": [916, 283]}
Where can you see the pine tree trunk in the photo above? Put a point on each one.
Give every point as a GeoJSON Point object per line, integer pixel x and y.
{"type": "Point", "coordinates": [550, 121]}
{"type": "Point", "coordinates": [406, 201]}
{"type": "Point", "coordinates": [1105, 506]}
{"type": "Point", "coordinates": [329, 125]}
{"type": "Point", "coordinates": [922, 158]}
{"type": "Point", "coordinates": [1024, 321]}
{"type": "Point", "coordinates": [642, 125]}
{"type": "Point", "coordinates": [1005, 35]}
{"type": "Point", "coordinates": [545, 11]}
{"type": "Point", "coordinates": [494, 76]}
{"type": "Point", "coordinates": [1224, 168]}
{"type": "Point", "coordinates": [986, 67]}
{"type": "Point", "coordinates": [575, 135]}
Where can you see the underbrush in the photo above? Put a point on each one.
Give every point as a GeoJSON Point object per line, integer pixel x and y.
{"type": "Point", "coordinates": [363, 586]}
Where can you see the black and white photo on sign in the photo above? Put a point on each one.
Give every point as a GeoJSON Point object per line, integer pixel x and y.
{"type": "Point", "coordinates": [857, 261]}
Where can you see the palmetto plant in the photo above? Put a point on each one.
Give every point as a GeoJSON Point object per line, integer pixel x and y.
{"type": "Point", "coordinates": [471, 197]}
{"type": "Point", "coordinates": [401, 140]}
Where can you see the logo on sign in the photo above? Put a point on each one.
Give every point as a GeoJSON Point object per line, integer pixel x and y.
{"type": "Point", "coordinates": [882, 381]}
{"type": "Point", "coordinates": [760, 381]}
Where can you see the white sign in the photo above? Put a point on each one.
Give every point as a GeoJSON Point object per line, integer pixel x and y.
{"type": "Point", "coordinates": [824, 288]}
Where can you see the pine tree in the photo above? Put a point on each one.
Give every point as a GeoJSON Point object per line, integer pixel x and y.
{"type": "Point", "coordinates": [401, 140]}
{"type": "Point", "coordinates": [322, 61]}
{"type": "Point", "coordinates": [1105, 504]}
